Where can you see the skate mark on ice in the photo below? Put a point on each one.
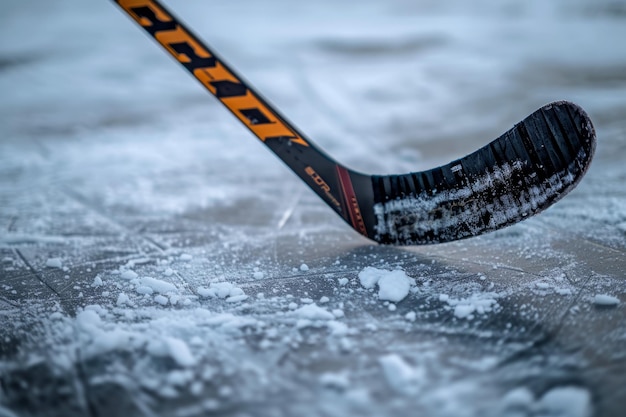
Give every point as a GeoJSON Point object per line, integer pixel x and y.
{"type": "Point", "coordinates": [577, 236]}
{"type": "Point", "coordinates": [36, 273]}
{"type": "Point", "coordinates": [499, 265]}
{"type": "Point", "coordinates": [533, 347]}
{"type": "Point", "coordinates": [287, 214]}
{"type": "Point", "coordinates": [123, 230]}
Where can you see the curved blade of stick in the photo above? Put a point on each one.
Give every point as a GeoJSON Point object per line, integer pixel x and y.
{"type": "Point", "coordinates": [519, 174]}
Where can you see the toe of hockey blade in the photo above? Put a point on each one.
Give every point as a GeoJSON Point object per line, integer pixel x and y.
{"type": "Point", "coordinates": [519, 174]}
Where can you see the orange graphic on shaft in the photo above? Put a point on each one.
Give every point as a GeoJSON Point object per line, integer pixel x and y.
{"type": "Point", "coordinates": [213, 74]}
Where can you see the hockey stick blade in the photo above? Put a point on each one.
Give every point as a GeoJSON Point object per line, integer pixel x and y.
{"type": "Point", "coordinates": [519, 174]}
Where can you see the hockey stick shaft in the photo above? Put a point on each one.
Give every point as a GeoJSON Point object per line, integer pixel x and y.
{"type": "Point", "coordinates": [331, 181]}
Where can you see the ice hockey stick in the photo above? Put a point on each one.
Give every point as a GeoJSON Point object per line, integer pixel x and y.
{"type": "Point", "coordinates": [519, 174]}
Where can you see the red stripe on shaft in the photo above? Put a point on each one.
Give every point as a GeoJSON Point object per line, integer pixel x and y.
{"type": "Point", "coordinates": [351, 202]}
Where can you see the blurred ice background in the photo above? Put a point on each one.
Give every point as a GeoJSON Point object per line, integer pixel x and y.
{"type": "Point", "coordinates": [129, 198]}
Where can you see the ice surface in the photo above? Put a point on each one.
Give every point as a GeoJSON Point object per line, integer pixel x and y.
{"type": "Point", "coordinates": [16, 238]}
{"type": "Point", "coordinates": [199, 277]}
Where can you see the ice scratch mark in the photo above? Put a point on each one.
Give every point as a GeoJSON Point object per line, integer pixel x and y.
{"type": "Point", "coordinates": [36, 273]}
{"type": "Point", "coordinates": [123, 230]}
{"type": "Point", "coordinates": [3, 300]}
{"type": "Point", "coordinates": [81, 378]}
{"type": "Point", "coordinates": [288, 212]}
{"type": "Point", "coordinates": [500, 266]}
{"type": "Point", "coordinates": [18, 238]}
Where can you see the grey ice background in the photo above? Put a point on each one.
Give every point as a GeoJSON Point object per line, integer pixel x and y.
{"type": "Point", "coordinates": [112, 159]}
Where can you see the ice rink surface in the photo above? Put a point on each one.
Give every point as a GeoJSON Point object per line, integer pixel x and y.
{"type": "Point", "coordinates": [156, 260]}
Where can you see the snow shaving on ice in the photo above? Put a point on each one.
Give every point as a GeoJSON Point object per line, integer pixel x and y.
{"type": "Point", "coordinates": [393, 286]}
{"type": "Point", "coordinates": [468, 308]}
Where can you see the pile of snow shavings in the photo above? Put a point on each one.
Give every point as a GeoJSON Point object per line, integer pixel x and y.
{"type": "Point", "coordinates": [162, 320]}
{"type": "Point", "coordinates": [220, 340]}
{"type": "Point", "coordinates": [394, 286]}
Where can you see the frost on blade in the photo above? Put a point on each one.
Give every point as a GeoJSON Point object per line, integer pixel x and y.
{"type": "Point", "coordinates": [485, 203]}
{"type": "Point", "coordinates": [517, 175]}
